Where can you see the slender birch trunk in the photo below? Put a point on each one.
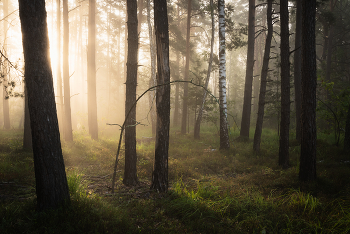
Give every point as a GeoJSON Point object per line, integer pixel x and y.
{"type": "Point", "coordinates": [224, 137]}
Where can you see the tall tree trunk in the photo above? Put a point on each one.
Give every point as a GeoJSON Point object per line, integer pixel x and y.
{"type": "Point", "coordinates": [125, 42]}
{"type": "Point", "coordinates": [264, 72]}
{"type": "Point", "coordinates": [82, 81]}
{"type": "Point", "coordinates": [59, 75]}
{"type": "Point", "coordinates": [224, 137]}
{"type": "Point", "coordinates": [91, 72]}
{"type": "Point", "coordinates": [108, 62]}
{"type": "Point", "coordinates": [50, 176]}
{"type": "Point", "coordinates": [197, 125]}
{"type": "Point", "coordinates": [297, 71]}
{"type": "Point", "coordinates": [332, 4]}
{"type": "Point", "coordinates": [120, 73]}
{"type": "Point", "coordinates": [6, 108]}
{"type": "Point", "coordinates": [27, 135]}
{"type": "Point", "coordinates": [285, 87]}
{"type": "Point", "coordinates": [256, 81]}
{"type": "Point", "coordinates": [140, 17]}
{"type": "Point", "coordinates": [160, 173]}
{"type": "Point", "coordinates": [245, 123]}
{"type": "Point", "coordinates": [125, 54]}
{"type": "Point", "coordinates": [68, 132]}
{"type": "Point", "coordinates": [307, 170]}
{"type": "Point", "coordinates": [329, 55]}
{"type": "Point", "coordinates": [152, 81]}
{"type": "Point", "coordinates": [187, 69]}
{"type": "Point", "coordinates": [325, 27]}
{"type": "Point", "coordinates": [130, 172]}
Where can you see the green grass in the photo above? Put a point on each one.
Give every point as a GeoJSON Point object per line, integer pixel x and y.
{"type": "Point", "coordinates": [211, 191]}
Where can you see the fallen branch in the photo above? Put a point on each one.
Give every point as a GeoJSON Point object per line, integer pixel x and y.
{"type": "Point", "coordinates": [134, 104]}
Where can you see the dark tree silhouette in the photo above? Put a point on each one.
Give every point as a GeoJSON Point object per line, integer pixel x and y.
{"type": "Point", "coordinates": [297, 71]}
{"type": "Point", "coordinates": [130, 173]}
{"type": "Point", "coordinates": [245, 123]}
{"type": "Point", "coordinates": [50, 176]}
{"type": "Point", "coordinates": [264, 71]}
{"type": "Point", "coordinates": [160, 173]}
{"type": "Point", "coordinates": [283, 159]}
{"type": "Point", "coordinates": [307, 170]}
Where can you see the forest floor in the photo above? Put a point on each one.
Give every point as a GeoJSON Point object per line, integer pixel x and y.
{"type": "Point", "coordinates": [211, 191]}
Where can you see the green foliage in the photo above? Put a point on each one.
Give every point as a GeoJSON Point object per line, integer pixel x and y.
{"type": "Point", "coordinates": [77, 187]}
{"type": "Point", "coordinates": [83, 216]}
{"type": "Point", "coordinates": [334, 109]}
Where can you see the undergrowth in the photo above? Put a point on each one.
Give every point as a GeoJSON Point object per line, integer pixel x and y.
{"type": "Point", "coordinates": [211, 191]}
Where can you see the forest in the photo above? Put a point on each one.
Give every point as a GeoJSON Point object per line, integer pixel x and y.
{"type": "Point", "coordinates": [178, 116]}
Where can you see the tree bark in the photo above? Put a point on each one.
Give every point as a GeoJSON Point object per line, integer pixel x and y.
{"type": "Point", "coordinates": [27, 135]}
{"type": "Point", "coordinates": [285, 87]}
{"type": "Point", "coordinates": [307, 170]}
{"type": "Point", "coordinates": [187, 68]}
{"type": "Point", "coordinates": [68, 132]}
{"type": "Point", "coordinates": [297, 72]}
{"type": "Point", "coordinates": [91, 72]}
{"type": "Point", "coordinates": [332, 4]}
{"type": "Point", "coordinates": [224, 137]}
{"type": "Point", "coordinates": [264, 72]}
{"type": "Point", "coordinates": [130, 172]}
{"type": "Point", "coordinates": [197, 125]}
{"type": "Point", "coordinates": [160, 173]}
{"type": "Point", "coordinates": [50, 176]}
{"type": "Point", "coordinates": [245, 123]}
